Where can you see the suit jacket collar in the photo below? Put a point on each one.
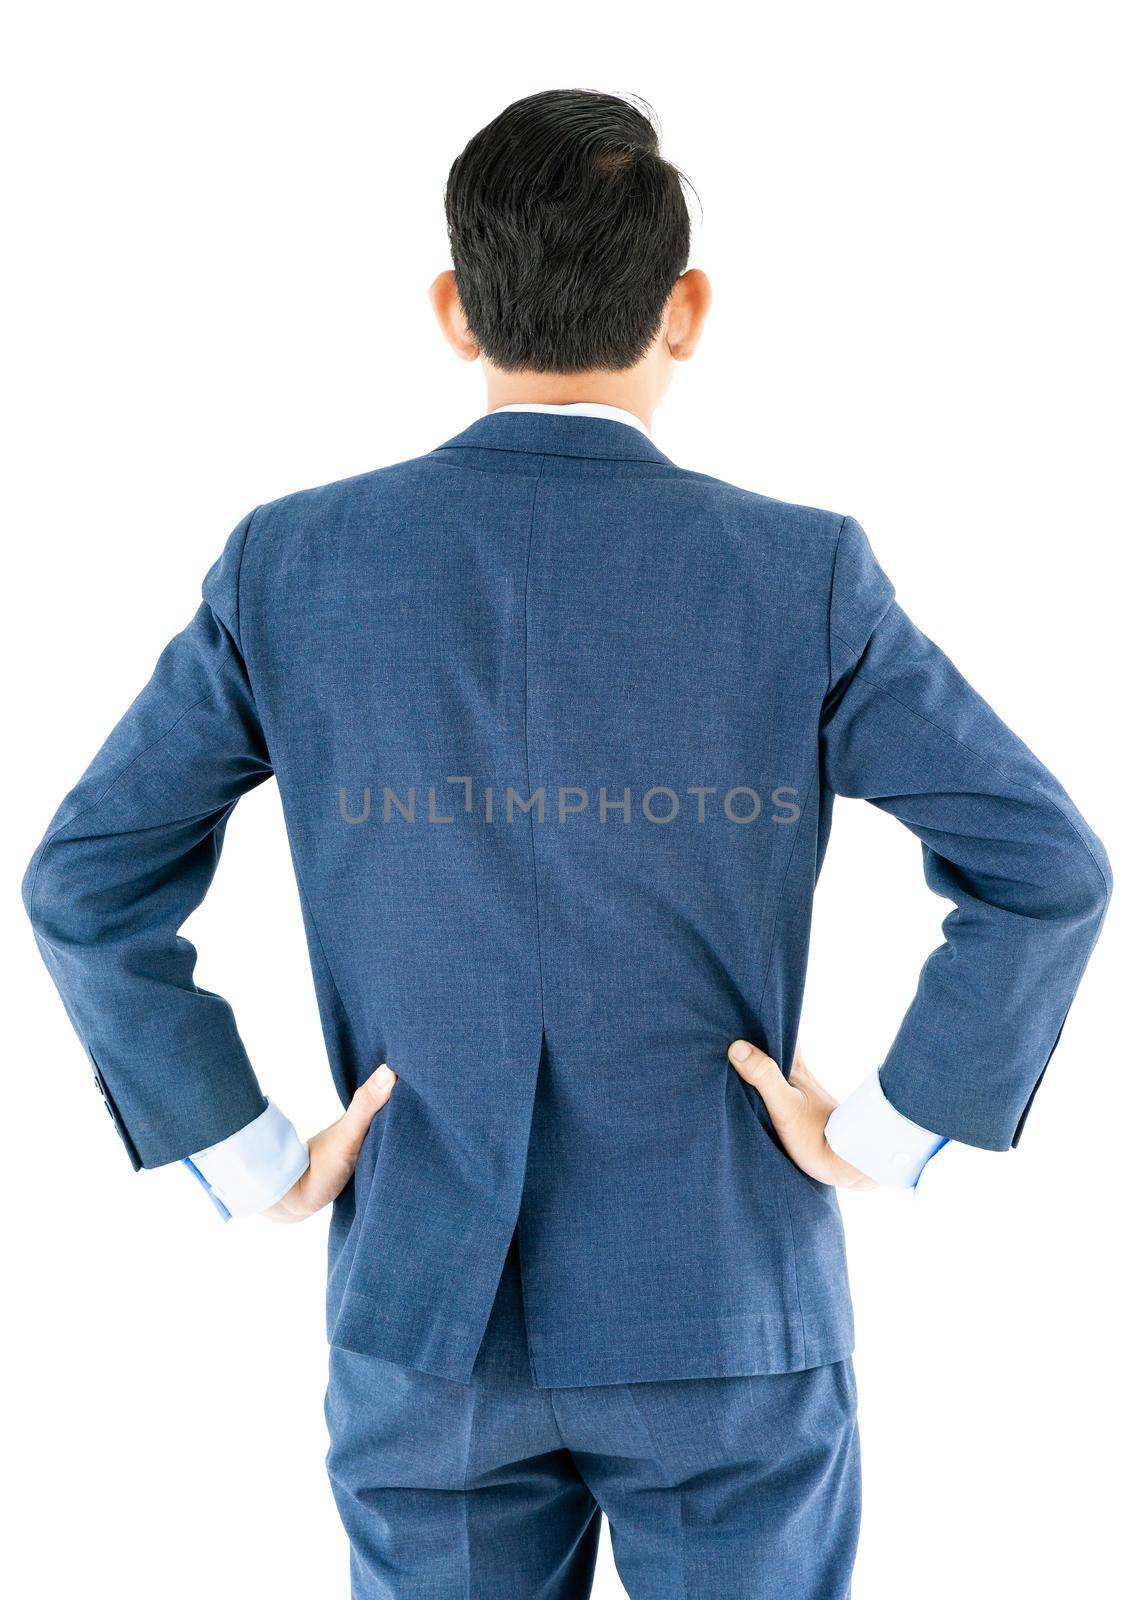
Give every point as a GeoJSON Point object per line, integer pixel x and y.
{"type": "Point", "coordinates": [544, 434]}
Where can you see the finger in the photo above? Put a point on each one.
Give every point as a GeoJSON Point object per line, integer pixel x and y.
{"type": "Point", "coordinates": [334, 1151]}
{"type": "Point", "coordinates": [367, 1101]}
{"type": "Point", "coordinates": [755, 1067]}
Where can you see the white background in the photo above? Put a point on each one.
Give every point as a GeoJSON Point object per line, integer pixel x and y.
{"type": "Point", "coordinates": [223, 221]}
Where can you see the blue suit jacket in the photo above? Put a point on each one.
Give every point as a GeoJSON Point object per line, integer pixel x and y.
{"type": "Point", "coordinates": [557, 728]}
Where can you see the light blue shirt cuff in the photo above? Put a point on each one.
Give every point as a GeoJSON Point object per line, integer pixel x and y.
{"type": "Point", "coordinates": [253, 1168]}
{"type": "Point", "coordinates": [867, 1131]}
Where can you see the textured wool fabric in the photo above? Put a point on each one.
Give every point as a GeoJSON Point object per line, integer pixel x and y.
{"type": "Point", "coordinates": [557, 728]}
{"type": "Point", "coordinates": [715, 1489]}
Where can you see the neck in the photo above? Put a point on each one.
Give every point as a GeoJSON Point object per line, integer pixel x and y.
{"type": "Point", "coordinates": [631, 390]}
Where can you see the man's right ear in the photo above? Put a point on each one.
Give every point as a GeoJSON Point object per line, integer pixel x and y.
{"type": "Point", "coordinates": [450, 315]}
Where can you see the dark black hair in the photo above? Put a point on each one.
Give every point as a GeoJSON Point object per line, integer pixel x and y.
{"type": "Point", "coordinates": [568, 230]}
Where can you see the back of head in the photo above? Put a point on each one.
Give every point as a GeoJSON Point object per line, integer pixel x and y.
{"type": "Point", "coordinates": [568, 230]}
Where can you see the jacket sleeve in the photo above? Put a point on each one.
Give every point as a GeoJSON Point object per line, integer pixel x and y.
{"type": "Point", "coordinates": [1028, 880]}
{"type": "Point", "coordinates": [130, 853]}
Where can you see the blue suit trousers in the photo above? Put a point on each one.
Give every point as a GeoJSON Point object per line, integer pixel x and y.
{"type": "Point", "coordinates": [715, 1489]}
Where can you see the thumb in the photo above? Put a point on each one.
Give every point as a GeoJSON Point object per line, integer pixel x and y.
{"type": "Point", "coordinates": [755, 1067]}
{"type": "Point", "coordinates": [352, 1126]}
{"type": "Point", "coordinates": [334, 1152]}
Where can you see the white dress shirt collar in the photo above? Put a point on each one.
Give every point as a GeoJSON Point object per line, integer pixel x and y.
{"type": "Point", "coordinates": [582, 408]}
